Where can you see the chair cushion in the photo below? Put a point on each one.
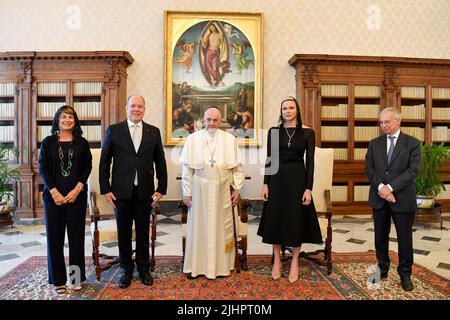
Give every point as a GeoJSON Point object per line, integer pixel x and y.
{"type": "Point", "coordinates": [323, 223]}
{"type": "Point", "coordinates": [242, 228]}
{"type": "Point", "coordinates": [108, 231]}
{"type": "Point", "coordinates": [103, 206]}
{"type": "Point", "coordinates": [323, 176]}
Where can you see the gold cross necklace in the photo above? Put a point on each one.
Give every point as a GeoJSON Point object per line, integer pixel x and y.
{"type": "Point", "coordinates": [212, 161]}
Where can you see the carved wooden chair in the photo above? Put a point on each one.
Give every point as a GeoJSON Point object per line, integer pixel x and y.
{"type": "Point", "coordinates": [103, 230]}
{"type": "Point", "coordinates": [241, 229]}
{"type": "Point", "coordinates": [323, 178]}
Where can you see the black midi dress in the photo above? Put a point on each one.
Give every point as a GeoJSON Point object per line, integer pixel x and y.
{"type": "Point", "coordinates": [285, 220]}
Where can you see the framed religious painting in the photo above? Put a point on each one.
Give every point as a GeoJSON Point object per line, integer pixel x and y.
{"type": "Point", "coordinates": [213, 60]}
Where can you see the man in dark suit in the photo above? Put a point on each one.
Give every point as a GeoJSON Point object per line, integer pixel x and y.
{"type": "Point", "coordinates": [392, 164]}
{"type": "Point", "coordinates": [134, 146]}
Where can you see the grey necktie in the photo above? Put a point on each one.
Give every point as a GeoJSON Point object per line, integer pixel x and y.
{"type": "Point", "coordinates": [391, 148]}
{"type": "Point", "coordinates": [136, 143]}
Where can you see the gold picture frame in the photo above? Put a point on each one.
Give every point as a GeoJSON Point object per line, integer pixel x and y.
{"type": "Point", "coordinates": [213, 59]}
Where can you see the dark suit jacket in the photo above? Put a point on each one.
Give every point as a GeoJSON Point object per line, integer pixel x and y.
{"type": "Point", "coordinates": [118, 146]}
{"type": "Point", "coordinates": [400, 174]}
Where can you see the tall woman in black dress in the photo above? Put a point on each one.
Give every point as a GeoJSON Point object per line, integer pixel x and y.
{"type": "Point", "coordinates": [289, 217]}
{"type": "Point", "coordinates": [65, 162]}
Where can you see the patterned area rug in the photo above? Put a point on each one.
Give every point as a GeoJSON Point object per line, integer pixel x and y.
{"type": "Point", "coordinates": [28, 281]}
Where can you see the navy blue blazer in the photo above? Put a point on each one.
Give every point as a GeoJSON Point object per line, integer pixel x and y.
{"type": "Point", "coordinates": [118, 148]}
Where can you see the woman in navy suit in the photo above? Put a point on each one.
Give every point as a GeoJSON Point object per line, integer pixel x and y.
{"type": "Point", "coordinates": [65, 162]}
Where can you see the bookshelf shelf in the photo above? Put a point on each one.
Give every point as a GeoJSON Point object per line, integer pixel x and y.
{"type": "Point", "coordinates": [84, 96]}
{"type": "Point", "coordinates": [51, 96]}
{"type": "Point", "coordinates": [441, 121]}
{"type": "Point", "coordinates": [347, 93]}
{"type": "Point", "coordinates": [38, 83]}
{"type": "Point", "coordinates": [442, 99]}
{"type": "Point", "coordinates": [90, 119]}
{"type": "Point", "coordinates": [413, 99]}
{"type": "Point", "coordinates": [406, 120]}
{"type": "Point", "coordinates": [365, 120]}
{"type": "Point", "coordinates": [366, 98]}
{"type": "Point", "coordinates": [334, 119]}
{"type": "Point", "coordinates": [337, 98]}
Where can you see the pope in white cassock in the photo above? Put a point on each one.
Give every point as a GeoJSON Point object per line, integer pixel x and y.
{"type": "Point", "coordinates": [211, 164]}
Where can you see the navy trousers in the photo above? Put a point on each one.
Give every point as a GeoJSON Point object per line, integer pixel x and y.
{"type": "Point", "coordinates": [403, 222]}
{"type": "Point", "coordinates": [57, 218]}
{"type": "Point", "coordinates": [126, 211]}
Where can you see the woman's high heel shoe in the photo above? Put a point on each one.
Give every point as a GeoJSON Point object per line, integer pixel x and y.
{"type": "Point", "coordinates": [276, 274]}
{"type": "Point", "coordinates": [78, 287]}
{"type": "Point", "coordinates": [293, 275]}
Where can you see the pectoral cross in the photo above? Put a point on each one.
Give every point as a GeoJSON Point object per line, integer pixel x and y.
{"type": "Point", "coordinates": [212, 161]}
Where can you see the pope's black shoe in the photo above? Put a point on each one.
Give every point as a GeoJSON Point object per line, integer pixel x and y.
{"type": "Point", "coordinates": [146, 278]}
{"type": "Point", "coordinates": [125, 280]}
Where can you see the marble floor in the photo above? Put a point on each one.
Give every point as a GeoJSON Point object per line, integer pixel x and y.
{"type": "Point", "coordinates": [350, 234]}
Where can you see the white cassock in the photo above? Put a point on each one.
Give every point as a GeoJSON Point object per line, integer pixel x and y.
{"type": "Point", "coordinates": [211, 164]}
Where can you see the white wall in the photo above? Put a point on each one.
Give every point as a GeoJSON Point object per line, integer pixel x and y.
{"type": "Point", "coordinates": [411, 28]}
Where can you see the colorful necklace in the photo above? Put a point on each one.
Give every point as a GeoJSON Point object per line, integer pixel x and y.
{"type": "Point", "coordinates": [65, 172]}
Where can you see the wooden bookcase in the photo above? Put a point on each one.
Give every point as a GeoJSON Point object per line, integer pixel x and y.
{"type": "Point", "coordinates": [8, 119]}
{"type": "Point", "coordinates": [341, 96]}
{"type": "Point", "coordinates": [93, 82]}
{"type": "Point", "coordinates": [8, 122]}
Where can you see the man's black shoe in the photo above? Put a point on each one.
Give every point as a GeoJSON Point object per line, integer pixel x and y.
{"type": "Point", "coordinates": [125, 280]}
{"type": "Point", "coordinates": [189, 276]}
{"type": "Point", "coordinates": [146, 278]}
{"type": "Point", "coordinates": [384, 276]}
{"type": "Point", "coordinates": [407, 284]}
